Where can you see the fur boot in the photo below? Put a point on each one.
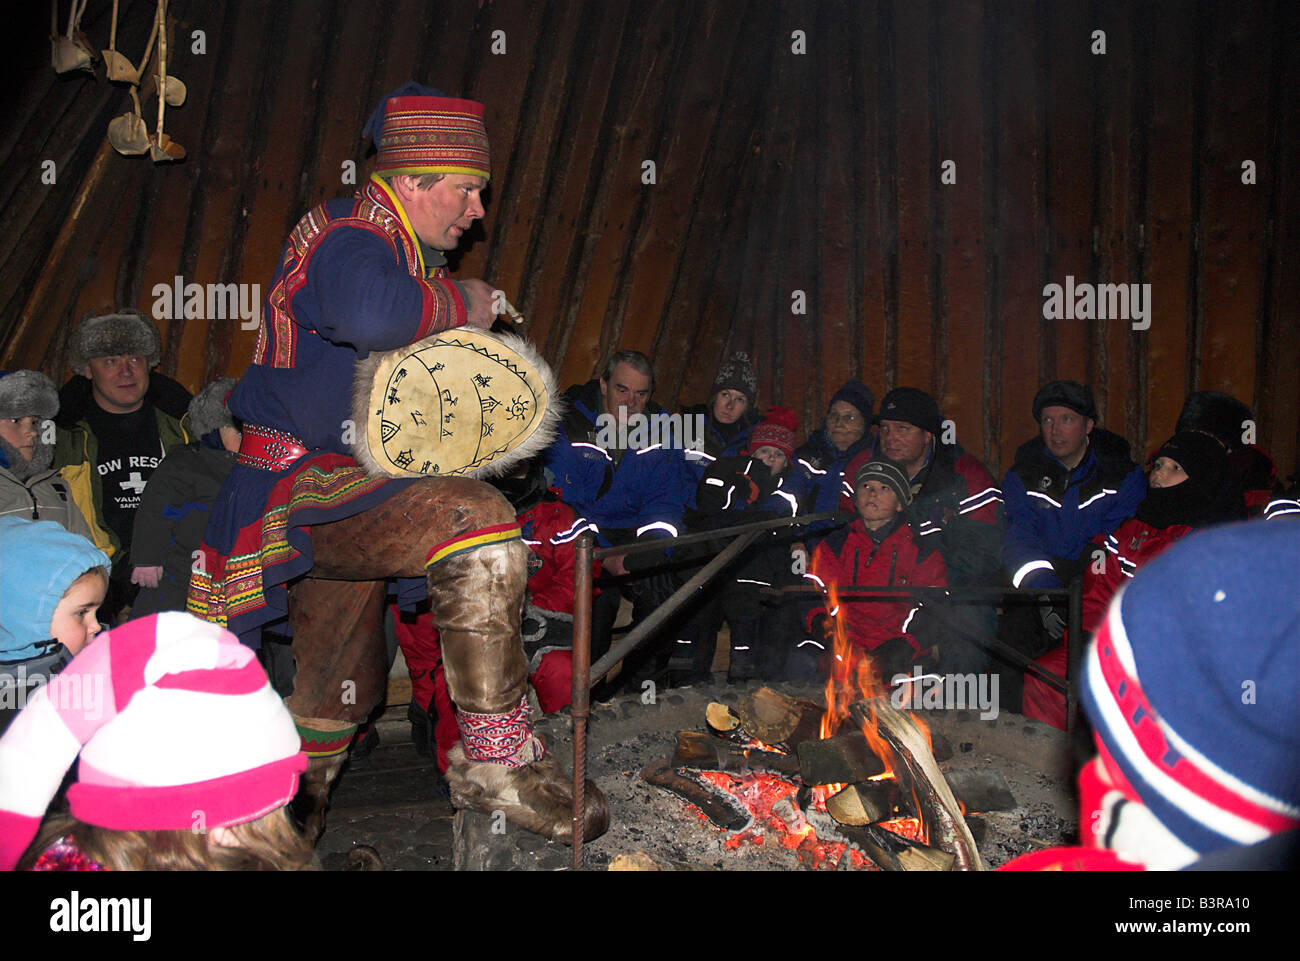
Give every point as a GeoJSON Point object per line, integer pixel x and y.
{"type": "Point", "coordinates": [537, 796]}
{"type": "Point", "coordinates": [500, 764]}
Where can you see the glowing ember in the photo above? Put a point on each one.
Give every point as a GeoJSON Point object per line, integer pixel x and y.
{"type": "Point", "coordinates": [772, 801]}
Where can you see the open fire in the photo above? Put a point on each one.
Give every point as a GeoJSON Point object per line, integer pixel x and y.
{"type": "Point", "coordinates": [864, 770]}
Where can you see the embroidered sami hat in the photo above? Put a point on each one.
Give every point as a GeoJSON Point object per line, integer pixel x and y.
{"type": "Point", "coordinates": [176, 726]}
{"type": "Point", "coordinates": [417, 130]}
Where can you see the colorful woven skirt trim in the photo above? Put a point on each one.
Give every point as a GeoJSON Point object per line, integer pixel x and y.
{"type": "Point", "coordinates": [472, 541]}
{"type": "Point", "coordinates": [245, 589]}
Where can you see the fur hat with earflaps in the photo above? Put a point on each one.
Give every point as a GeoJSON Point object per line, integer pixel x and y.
{"type": "Point", "coordinates": [126, 332]}
{"type": "Point", "coordinates": [27, 393]}
{"type": "Point", "coordinates": [208, 410]}
{"type": "Point", "coordinates": [176, 727]}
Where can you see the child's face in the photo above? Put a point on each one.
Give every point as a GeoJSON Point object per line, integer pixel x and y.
{"type": "Point", "coordinates": [21, 432]}
{"type": "Point", "coordinates": [74, 623]}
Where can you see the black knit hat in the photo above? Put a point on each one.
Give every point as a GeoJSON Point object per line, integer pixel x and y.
{"type": "Point", "coordinates": [886, 472]}
{"type": "Point", "coordinates": [1200, 454]}
{"type": "Point", "coordinates": [1065, 393]}
{"type": "Point", "coordinates": [737, 374]}
{"type": "Point", "coordinates": [1217, 413]}
{"type": "Point", "coordinates": [911, 406]}
{"type": "Point", "coordinates": [859, 395]}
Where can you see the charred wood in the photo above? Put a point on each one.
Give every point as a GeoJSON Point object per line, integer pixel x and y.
{"type": "Point", "coordinates": [845, 758]}
{"type": "Point", "coordinates": [893, 852]}
{"type": "Point", "coordinates": [717, 805]}
{"type": "Point", "coordinates": [778, 720]}
{"type": "Point", "coordinates": [699, 752]}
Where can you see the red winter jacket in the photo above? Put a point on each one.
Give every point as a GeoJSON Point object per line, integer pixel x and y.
{"type": "Point", "coordinates": [1115, 559]}
{"type": "Point", "coordinates": [550, 529]}
{"type": "Point", "coordinates": [849, 556]}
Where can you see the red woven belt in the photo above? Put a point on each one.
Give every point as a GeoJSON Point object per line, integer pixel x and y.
{"type": "Point", "coordinates": [268, 449]}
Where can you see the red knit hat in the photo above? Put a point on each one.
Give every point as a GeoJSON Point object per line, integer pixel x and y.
{"type": "Point", "coordinates": [776, 430]}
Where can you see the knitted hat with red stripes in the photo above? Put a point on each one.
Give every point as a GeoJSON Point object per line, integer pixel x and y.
{"type": "Point", "coordinates": [419, 131]}
{"type": "Point", "coordinates": [776, 430]}
{"type": "Point", "coordinates": [177, 728]}
{"type": "Point", "coordinates": [1193, 687]}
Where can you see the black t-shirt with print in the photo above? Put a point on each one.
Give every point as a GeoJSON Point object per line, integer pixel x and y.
{"type": "Point", "coordinates": [129, 450]}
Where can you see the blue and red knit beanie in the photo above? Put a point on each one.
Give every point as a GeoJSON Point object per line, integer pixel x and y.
{"type": "Point", "coordinates": [1193, 686]}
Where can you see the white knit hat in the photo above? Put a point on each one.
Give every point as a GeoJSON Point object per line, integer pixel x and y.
{"type": "Point", "coordinates": [177, 728]}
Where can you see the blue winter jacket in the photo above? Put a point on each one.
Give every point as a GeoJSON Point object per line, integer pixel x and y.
{"type": "Point", "coordinates": [819, 478]}
{"type": "Point", "coordinates": [643, 496]}
{"type": "Point", "coordinates": [1054, 513]}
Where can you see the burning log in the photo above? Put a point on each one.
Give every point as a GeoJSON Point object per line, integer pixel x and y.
{"type": "Point", "coordinates": [875, 801]}
{"type": "Point", "coordinates": [776, 719]}
{"type": "Point", "coordinates": [862, 804]}
{"type": "Point", "coordinates": [893, 852]}
{"type": "Point", "coordinates": [700, 752]}
{"type": "Point", "coordinates": [845, 758]}
{"type": "Point", "coordinates": [723, 723]}
{"type": "Point", "coordinates": [719, 807]}
{"type": "Point", "coordinates": [939, 810]}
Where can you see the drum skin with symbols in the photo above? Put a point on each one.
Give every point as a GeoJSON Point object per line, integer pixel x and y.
{"type": "Point", "coordinates": [462, 403]}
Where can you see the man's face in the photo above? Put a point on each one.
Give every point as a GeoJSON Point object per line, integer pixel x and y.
{"type": "Point", "coordinates": [626, 392]}
{"type": "Point", "coordinates": [904, 443]}
{"type": "Point", "coordinates": [845, 425]}
{"type": "Point", "coordinates": [876, 502]}
{"type": "Point", "coordinates": [74, 623]}
{"type": "Point", "coordinates": [119, 382]}
{"type": "Point", "coordinates": [442, 214]}
{"type": "Point", "coordinates": [21, 432]}
{"type": "Point", "coordinates": [728, 405]}
{"type": "Point", "coordinates": [1065, 432]}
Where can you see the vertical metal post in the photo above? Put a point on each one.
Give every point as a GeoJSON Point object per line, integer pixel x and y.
{"type": "Point", "coordinates": [1074, 653]}
{"type": "Point", "coordinates": [580, 698]}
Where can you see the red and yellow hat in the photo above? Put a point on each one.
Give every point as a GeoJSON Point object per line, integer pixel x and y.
{"type": "Point", "coordinates": [430, 135]}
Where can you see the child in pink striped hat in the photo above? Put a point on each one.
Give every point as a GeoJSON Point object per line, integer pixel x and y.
{"type": "Point", "coordinates": [187, 758]}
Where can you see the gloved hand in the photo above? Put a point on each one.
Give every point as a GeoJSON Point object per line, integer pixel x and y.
{"type": "Point", "coordinates": [652, 588]}
{"type": "Point", "coordinates": [1053, 620]}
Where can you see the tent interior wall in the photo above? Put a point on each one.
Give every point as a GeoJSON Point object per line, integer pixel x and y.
{"type": "Point", "coordinates": [798, 154]}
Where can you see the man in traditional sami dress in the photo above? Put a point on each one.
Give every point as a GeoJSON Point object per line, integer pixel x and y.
{"type": "Point", "coordinates": [301, 532]}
